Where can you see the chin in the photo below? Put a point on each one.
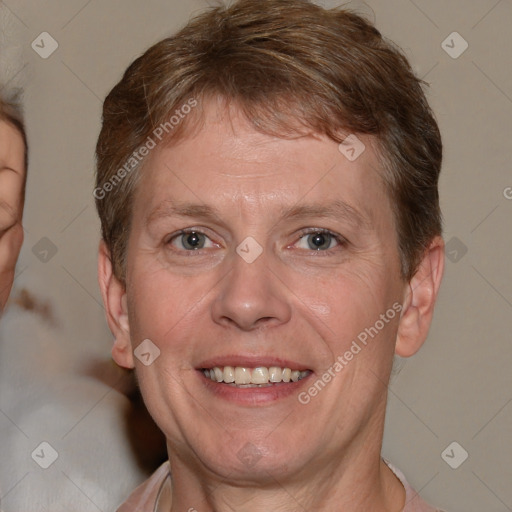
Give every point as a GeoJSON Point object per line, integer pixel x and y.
{"type": "Point", "coordinates": [246, 458]}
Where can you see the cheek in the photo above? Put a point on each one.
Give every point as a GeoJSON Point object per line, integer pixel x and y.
{"type": "Point", "coordinates": [349, 290]}
{"type": "Point", "coordinates": [153, 308]}
{"type": "Point", "coordinates": [167, 309]}
{"type": "Point", "coordinates": [346, 306]}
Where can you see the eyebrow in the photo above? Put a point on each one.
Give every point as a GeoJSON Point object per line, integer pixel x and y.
{"type": "Point", "coordinates": [170, 208]}
{"type": "Point", "coordinates": [338, 209]}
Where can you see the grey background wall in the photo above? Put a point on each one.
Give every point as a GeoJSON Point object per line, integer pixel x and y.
{"type": "Point", "coordinates": [56, 383]}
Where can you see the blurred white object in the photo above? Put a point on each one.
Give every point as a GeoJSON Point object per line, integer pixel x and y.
{"type": "Point", "coordinates": [56, 413]}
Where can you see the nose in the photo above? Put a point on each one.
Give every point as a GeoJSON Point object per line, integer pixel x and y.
{"type": "Point", "coordinates": [251, 296]}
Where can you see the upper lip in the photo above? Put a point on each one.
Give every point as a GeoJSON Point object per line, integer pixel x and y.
{"type": "Point", "coordinates": [251, 362]}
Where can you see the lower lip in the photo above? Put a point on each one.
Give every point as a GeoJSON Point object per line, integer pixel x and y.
{"type": "Point", "coordinates": [253, 396]}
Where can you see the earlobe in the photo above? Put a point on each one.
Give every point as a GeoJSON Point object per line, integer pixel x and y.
{"type": "Point", "coordinates": [114, 298]}
{"type": "Point", "coordinates": [420, 300]}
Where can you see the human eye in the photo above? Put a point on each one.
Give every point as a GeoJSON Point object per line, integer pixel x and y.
{"type": "Point", "coordinates": [321, 240]}
{"type": "Point", "coordinates": [190, 240]}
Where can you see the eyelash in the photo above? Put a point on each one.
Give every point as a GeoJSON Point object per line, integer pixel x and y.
{"type": "Point", "coordinates": [341, 241]}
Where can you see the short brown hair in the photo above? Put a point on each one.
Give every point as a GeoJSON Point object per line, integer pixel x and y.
{"type": "Point", "coordinates": [290, 66]}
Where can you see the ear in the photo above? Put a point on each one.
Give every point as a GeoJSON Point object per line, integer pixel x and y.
{"type": "Point", "coordinates": [420, 299]}
{"type": "Point", "coordinates": [114, 298]}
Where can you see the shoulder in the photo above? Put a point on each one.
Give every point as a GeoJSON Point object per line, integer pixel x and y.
{"type": "Point", "coordinates": [413, 501]}
{"type": "Point", "coordinates": [144, 497]}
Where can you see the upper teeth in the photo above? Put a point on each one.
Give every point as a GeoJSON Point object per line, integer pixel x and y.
{"type": "Point", "coordinates": [259, 375]}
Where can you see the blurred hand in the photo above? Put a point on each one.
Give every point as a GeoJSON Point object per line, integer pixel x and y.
{"type": "Point", "coordinates": [12, 177]}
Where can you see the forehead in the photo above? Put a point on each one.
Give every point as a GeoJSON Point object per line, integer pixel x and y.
{"type": "Point", "coordinates": [226, 160]}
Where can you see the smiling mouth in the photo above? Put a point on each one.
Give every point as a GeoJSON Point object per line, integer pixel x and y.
{"type": "Point", "coordinates": [260, 376]}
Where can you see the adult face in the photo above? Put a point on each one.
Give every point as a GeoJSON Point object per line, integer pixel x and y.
{"type": "Point", "coordinates": [12, 177]}
{"type": "Point", "coordinates": [329, 268]}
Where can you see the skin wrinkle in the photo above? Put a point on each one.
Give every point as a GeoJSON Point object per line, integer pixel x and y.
{"type": "Point", "coordinates": [264, 138]}
{"type": "Point", "coordinates": [337, 210]}
{"type": "Point", "coordinates": [214, 303]}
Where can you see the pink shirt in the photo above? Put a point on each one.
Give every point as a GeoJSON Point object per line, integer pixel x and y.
{"type": "Point", "coordinates": [145, 498]}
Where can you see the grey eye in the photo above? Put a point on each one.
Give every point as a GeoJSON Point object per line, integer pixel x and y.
{"type": "Point", "coordinates": [190, 241]}
{"type": "Point", "coordinates": [319, 241]}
